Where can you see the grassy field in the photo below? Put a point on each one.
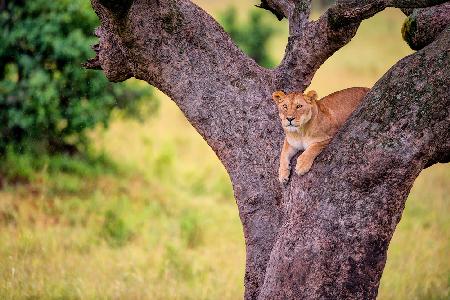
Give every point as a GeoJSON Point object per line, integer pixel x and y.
{"type": "Point", "coordinates": [155, 218]}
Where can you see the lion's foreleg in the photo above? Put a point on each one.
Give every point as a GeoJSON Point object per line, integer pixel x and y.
{"type": "Point", "coordinates": [287, 152]}
{"type": "Point", "coordinates": [306, 159]}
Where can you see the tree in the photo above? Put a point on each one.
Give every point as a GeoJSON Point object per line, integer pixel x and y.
{"type": "Point", "coordinates": [325, 235]}
{"type": "Point", "coordinates": [47, 101]}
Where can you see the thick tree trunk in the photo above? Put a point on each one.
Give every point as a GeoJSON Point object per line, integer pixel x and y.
{"type": "Point", "coordinates": [324, 235]}
{"type": "Point", "coordinates": [342, 214]}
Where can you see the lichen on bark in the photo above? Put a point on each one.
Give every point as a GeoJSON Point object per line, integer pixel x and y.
{"type": "Point", "coordinates": [172, 18]}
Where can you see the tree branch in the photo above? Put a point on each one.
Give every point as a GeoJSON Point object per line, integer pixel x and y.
{"type": "Point", "coordinates": [299, 17]}
{"type": "Point", "coordinates": [177, 47]}
{"type": "Point", "coordinates": [347, 12]}
{"type": "Point", "coordinates": [297, 11]}
{"type": "Point", "coordinates": [423, 25]}
{"type": "Point", "coordinates": [279, 13]}
{"type": "Point", "coordinates": [413, 3]}
{"type": "Point", "coordinates": [314, 42]}
{"type": "Point", "coordinates": [280, 8]}
{"type": "Point", "coordinates": [342, 214]}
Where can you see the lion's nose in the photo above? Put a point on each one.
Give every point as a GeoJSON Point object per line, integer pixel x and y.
{"type": "Point", "coordinates": [290, 119]}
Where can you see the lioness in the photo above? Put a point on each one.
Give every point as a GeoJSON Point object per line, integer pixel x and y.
{"type": "Point", "coordinates": [310, 124]}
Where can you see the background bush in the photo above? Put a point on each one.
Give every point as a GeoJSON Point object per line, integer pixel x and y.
{"type": "Point", "coordinates": [252, 36]}
{"type": "Point", "coordinates": [47, 100]}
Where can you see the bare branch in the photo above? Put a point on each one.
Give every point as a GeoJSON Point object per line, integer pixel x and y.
{"type": "Point", "coordinates": [276, 11]}
{"type": "Point", "coordinates": [312, 43]}
{"type": "Point", "coordinates": [297, 11]}
{"type": "Point", "coordinates": [347, 12]}
{"type": "Point", "coordinates": [413, 3]}
{"type": "Point", "coordinates": [299, 17]}
{"type": "Point", "coordinates": [280, 8]}
{"type": "Point", "coordinates": [306, 52]}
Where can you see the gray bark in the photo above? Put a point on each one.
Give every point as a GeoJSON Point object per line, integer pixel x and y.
{"type": "Point", "coordinates": [417, 31]}
{"type": "Point", "coordinates": [342, 214]}
{"type": "Point", "coordinates": [356, 188]}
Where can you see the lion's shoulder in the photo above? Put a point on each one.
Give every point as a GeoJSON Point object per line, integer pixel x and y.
{"type": "Point", "coordinates": [342, 103]}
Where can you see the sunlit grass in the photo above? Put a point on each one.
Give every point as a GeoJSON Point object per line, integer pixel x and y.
{"type": "Point", "coordinates": [418, 265]}
{"type": "Point", "coordinates": [163, 223]}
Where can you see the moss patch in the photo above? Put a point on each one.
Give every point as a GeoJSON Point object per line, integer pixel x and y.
{"type": "Point", "coordinates": [408, 31]}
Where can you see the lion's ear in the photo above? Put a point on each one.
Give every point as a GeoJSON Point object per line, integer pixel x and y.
{"type": "Point", "coordinates": [311, 96]}
{"type": "Point", "coordinates": [276, 96]}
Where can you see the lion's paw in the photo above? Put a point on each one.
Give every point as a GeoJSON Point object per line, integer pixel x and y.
{"type": "Point", "coordinates": [283, 175]}
{"type": "Point", "coordinates": [303, 166]}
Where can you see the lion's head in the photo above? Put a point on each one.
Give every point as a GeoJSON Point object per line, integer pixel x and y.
{"type": "Point", "coordinates": [295, 109]}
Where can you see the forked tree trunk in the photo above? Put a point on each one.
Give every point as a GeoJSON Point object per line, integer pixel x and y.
{"type": "Point", "coordinates": [325, 234]}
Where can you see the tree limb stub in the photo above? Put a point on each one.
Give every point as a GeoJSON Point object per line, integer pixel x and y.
{"type": "Point", "coordinates": [280, 8]}
{"type": "Point", "coordinates": [277, 12]}
{"type": "Point", "coordinates": [423, 25]}
{"type": "Point", "coordinates": [93, 63]}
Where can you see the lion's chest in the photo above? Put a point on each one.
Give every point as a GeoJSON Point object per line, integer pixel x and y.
{"type": "Point", "coordinates": [299, 143]}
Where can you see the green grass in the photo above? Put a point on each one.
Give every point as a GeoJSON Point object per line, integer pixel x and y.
{"type": "Point", "coordinates": [418, 266]}
{"type": "Point", "coordinates": [128, 234]}
{"type": "Point", "coordinates": [155, 218]}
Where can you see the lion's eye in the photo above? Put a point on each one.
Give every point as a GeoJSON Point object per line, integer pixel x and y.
{"type": "Point", "coordinates": [299, 106]}
{"type": "Point", "coordinates": [285, 106]}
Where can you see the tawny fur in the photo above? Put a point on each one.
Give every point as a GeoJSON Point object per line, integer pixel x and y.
{"type": "Point", "coordinates": [309, 124]}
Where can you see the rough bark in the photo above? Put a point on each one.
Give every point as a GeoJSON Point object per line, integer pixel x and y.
{"type": "Point", "coordinates": [311, 43]}
{"type": "Point", "coordinates": [423, 25]}
{"type": "Point", "coordinates": [177, 47]}
{"type": "Point", "coordinates": [280, 10]}
{"type": "Point", "coordinates": [342, 214]}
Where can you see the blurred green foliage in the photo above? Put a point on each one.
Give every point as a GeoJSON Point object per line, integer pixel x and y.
{"type": "Point", "coordinates": [115, 229]}
{"type": "Point", "coordinates": [191, 230]}
{"type": "Point", "coordinates": [68, 170]}
{"type": "Point", "coordinates": [47, 100]}
{"type": "Point", "coordinates": [252, 36]}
